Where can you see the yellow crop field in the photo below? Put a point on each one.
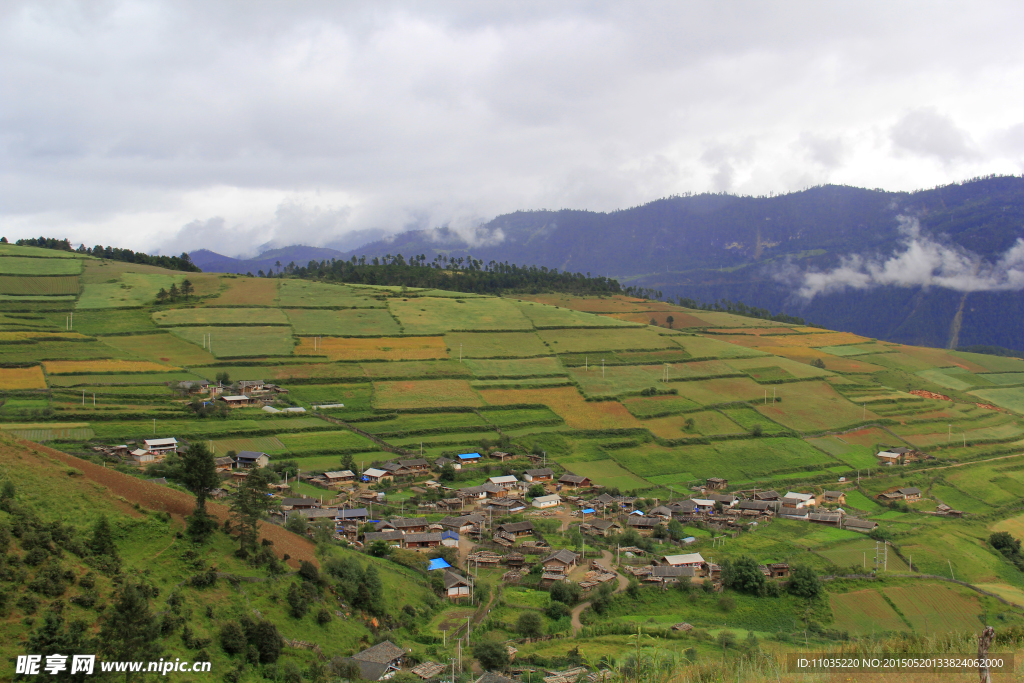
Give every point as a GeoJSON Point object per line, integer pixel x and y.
{"type": "Point", "coordinates": [817, 339]}
{"type": "Point", "coordinates": [395, 348]}
{"type": "Point", "coordinates": [246, 291]}
{"type": "Point", "coordinates": [22, 378]}
{"type": "Point", "coordinates": [569, 405]}
{"type": "Point", "coordinates": [74, 367]}
{"type": "Point", "coordinates": [680, 320]}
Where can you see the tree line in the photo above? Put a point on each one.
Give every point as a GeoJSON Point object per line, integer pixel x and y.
{"type": "Point", "coordinates": [183, 262]}
{"type": "Point", "coordinates": [462, 274]}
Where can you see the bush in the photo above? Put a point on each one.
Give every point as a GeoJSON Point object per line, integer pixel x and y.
{"type": "Point", "coordinates": [565, 591]}
{"type": "Point", "coordinates": [804, 583]}
{"type": "Point", "coordinates": [492, 655]}
{"type": "Point", "coordinates": [557, 610]}
{"type": "Point", "coordinates": [530, 625]}
{"type": "Point", "coordinates": [323, 617]}
{"type": "Point", "coordinates": [743, 575]}
{"type": "Point", "coordinates": [726, 603]}
{"type": "Point", "coordinates": [232, 638]}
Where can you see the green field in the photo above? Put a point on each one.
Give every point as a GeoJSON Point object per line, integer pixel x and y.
{"type": "Point", "coordinates": [236, 342]}
{"type": "Point", "coordinates": [854, 455]}
{"type": "Point", "coordinates": [20, 265]}
{"type": "Point", "coordinates": [104, 321]}
{"type": "Point", "coordinates": [494, 344]}
{"type": "Point", "coordinates": [813, 406]}
{"type": "Point", "coordinates": [618, 379]}
{"type": "Point", "coordinates": [165, 348]}
{"type": "Point", "coordinates": [936, 608]}
{"type": "Point", "coordinates": [748, 419]}
{"type": "Point", "coordinates": [707, 347]}
{"type": "Point", "coordinates": [424, 369]}
{"type": "Point", "coordinates": [861, 553]}
{"type": "Point", "coordinates": [653, 406]}
{"type": "Point", "coordinates": [1009, 398]}
{"type": "Point", "coordinates": [719, 391]}
{"type": "Point", "coordinates": [532, 382]}
{"type": "Point", "coordinates": [651, 357]}
{"type": "Point", "coordinates": [864, 612]}
{"type": "Point", "coordinates": [706, 422]}
{"type": "Point", "coordinates": [544, 316]}
{"type": "Point", "coordinates": [306, 294]}
{"type": "Point", "coordinates": [55, 350]}
{"type": "Point", "coordinates": [220, 316]}
{"type": "Point", "coordinates": [356, 397]}
{"type": "Point", "coordinates": [992, 363]}
{"type": "Point", "coordinates": [39, 286]}
{"type": "Point", "coordinates": [152, 378]}
{"type": "Point", "coordinates": [413, 424]}
{"type": "Point", "coordinates": [144, 429]}
{"type": "Point", "coordinates": [740, 459]}
{"type": "Point", "coordinates": [129, 290]}
{"type": "Point", "coordinates": [587, 341]}
{"type": "Point", "coordinates": [608, 473]}
{"type": "Point", "coordinates": [353, 322]}
{"type": "Point", "coordinates": [270, 373]}
{"type": "Point", "coordinates": [260, 444]}
{"type": "Point", "coordinates": [321, 442]}
{"type": "Point", "coordinates": [517, 367]}
{"type": "Point", "coordinates": [74, 434]}
{"type": "Point", "coordinates": [858, 501]}
{"type": "Point", "coordinates": [438, 316]}
{"type": "Point", "coordinates": [517, 416]}
{"type": "Point", "coordinates": [1005, 377]}
{"type": "Point", "coordinates": [441, 393]}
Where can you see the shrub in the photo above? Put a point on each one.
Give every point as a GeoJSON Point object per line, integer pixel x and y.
{"type": "Point", "coordinates": [323, 617]}
{"type": "Point", "coordinates": [493, 656]}
{"type": "Point", "coordinates": [530, 625]}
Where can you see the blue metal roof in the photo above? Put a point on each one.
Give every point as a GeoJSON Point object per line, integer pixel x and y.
{"type": "Point", "coordinates": [469, 456]}
{"type": "Point", "coordinates": [439, 563]}
{"type": "Point", "coordinates": [589, 511]}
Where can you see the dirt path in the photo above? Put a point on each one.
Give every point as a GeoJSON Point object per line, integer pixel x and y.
{"type": "Point", "coordinates": [606, 560]}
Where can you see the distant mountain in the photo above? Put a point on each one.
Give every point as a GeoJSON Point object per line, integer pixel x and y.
{"type": "Point", "coordinates": [212, 262]}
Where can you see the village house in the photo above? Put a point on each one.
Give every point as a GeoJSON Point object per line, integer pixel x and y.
{"type": "Point", "coordinates": [441, 462]}
{"type": "Point", "coordinates": [727, 500]}
{"type": "Point", "coordinates": [143, 457]}
{"type": "Point", "coordinates": [833, 498]}
{"type": "Point", "coordinates": [829, 518]}
{"type": "Point", "coordinates": [546, 501]}
{"type": "Point", "coordinates": [862, 525]}
{"type": "Point", "coordinates": [376, 476]}
{"type": "Point", "coordinates": [768, 496]}
{"type": "Point", "coordinates": [376, 662]}
{"type": "Point", "coordinates": [896, 456]}
{"type": "Point", "coordinates": [456, 586]}
{"type": "Point", "coordinates": [391, 537]}
{"type": "Point", "coordinates": [465, 458]}
{"type": "Point", "coordinates": [352, 515]}
{"type": "Point", "coordinates": [407, 525]}
{"type": "Point", "coordinates": [574, 481]}
{"type": "Point", "coordinates": [757, 506]}
{"type": "Point", "coordinates": [716, 484]}
{"type": "Point", "coordinates": [602, 527]}
{"type": "Point", "coordinates": [161, 447]}
{"type": "Point", "coordinates": [464, 524]}
{"type": "Point", "coordinates": [224, 464]}
{"type": "Point", "coordinates": [911, 493]}
{"type": "Point", "coordinates": [799, 501]}
{"type": "Point", "coordinates": [661, 511]}
{"type": "Point", "coordinates": [415, 466]}
{"type": "Point", "coordinates": [516, 529]}
{"type": "Point", "coordinates": [237, 401]}
{"type": "Point", "coordinates": [535, 476]}
{"type": "Point", "coordinates": [247, 387]}
{"type": "Point", "coordinates": [248, 459]}
{"type": "Point", "coordinates": [644, 526]}
{"type": "Point", "coordinates": [338, 478]}
{"type": "Point", "coordinates": [779, 570]}
{"type": "Point", "coordinates": [299, 503]}
{"type": "Point", "coordinates": [560, 562]}
{"type": "Point", "coordinates": [667, 575]}
{"type": "Point", "coordinates": [505, 481]}
{"type": "Point", "coordinates": [423, 540]}
{"type": "Point", "coordinates": [501, 456]}
{"type": "Point", "coordinates": [694, 560]}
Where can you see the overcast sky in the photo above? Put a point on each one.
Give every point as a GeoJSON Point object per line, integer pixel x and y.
{"type": "Point", "coordinates": [177, 125]}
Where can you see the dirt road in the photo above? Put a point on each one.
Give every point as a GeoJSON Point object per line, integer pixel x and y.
{"type": "Point", "coordinates": [606, 560]}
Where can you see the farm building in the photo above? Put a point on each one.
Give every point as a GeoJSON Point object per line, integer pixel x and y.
{"type": "Point", "coordinates": [441, 462]}
{"type": "Point", "coordinates": [407, 525]}
{"type": "Point", "coordinates": [911, 493]}
{"type": "Point", "coordinates": [505, 481]}
{"type": "Point", "coordinates": [417, 541]}
{"type": "Point", "coordinates": [247, 459]}
{"type": "Point", "coordinates": [517, 529]}
{"type": "Point", "coordinates": [829, 518]}
{"type": "Point", "coordinates": [767, 496]}
{"type": "Point", "coordinates": [342, 477]}
{"type": "Point", "coordinates": [375, 476]}
{"type": "Point", "coordinates": [376, 662]}
{"type": "Point", "coordinates": [716, 484]}
{"type": "Point", "coordinates": [726, 499]}
{"type": "Point", "coordinates": [250, 386]}
{"type": "Point", "coordinates": [224, 464]}
{"type": "Point", "coordinates": [833, 498]}
{"type": "Point", "coordinates": [300, 503]}
{"type": "Point", "coordinates": [661, 511]}
{"type": "Point", "coordinates": [546, 501]}
{"type": "Point", "coordinates": [160, 447]}
{"type": "Point", "coordinates": [239, 401]}
{"type": "Point", "coordinates": [644, 526]}
{"type": "Point", "coordinates": [560, 562]}
{"type": "Point", "coordinates": [602, 527]}
{"type": "Point", "coordinates": [779, 570]}
{"type": "Point", "coordinates": [391, 537]}
{"type": "Point", "coordinates": [501, 456]}
{"type": "Point", "coordinates": [666, 575]}
{"type": "Point", "coordinates": [469, 457]}
{"type": "Point", "coordinates": [456, 586]}
{"type": "Point", "coordinates": [142, 456]}
{"type": "Point", "coordinates": [543, 474]}
{"type": "Point", "coordinates": [463, 524]}
{"type": "Point", "coordinates": [798, 500]}
{"type": "Point", "coordinates": [450, 539]}
{"type": "Point", "coordinates": [862, 525]}
{"type": "Point", "coordinates": [574, 481]}
{"type": "Point", "coordinates": [353, 515]}
{"type": "Point", "coordinates": [694, 560]}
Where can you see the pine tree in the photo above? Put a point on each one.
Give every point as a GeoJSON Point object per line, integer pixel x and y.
{"type": "Point", "coordinates": [129, 627]}
{"type": "Point", "coordinates": [199, 474]}
{"type": "Point", "coordinates": [187, 289]}
{"type": "Point", "coordinates": [102, 542]}
{"type": "Point", "coordinates": [248, 506]}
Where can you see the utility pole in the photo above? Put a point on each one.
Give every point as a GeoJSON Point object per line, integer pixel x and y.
{"type": "Point", "coordinates": [949, 432]}
{"type": "Point", "coordinates": [460, 352]}
{"type": "Point", "coordinates": [602, 368]}
{"type": "Point", "coordinates": [154, 426]}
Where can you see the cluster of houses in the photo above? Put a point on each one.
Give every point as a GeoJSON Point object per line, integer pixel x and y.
{"type": "Point", "coordinates": [901, 456]}
{"type": "Point", "coordinates": [241, 394]}
{"type": "Point", "coordinates": [148, 452]}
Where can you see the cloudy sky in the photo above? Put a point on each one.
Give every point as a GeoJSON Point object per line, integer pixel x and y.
{"type": "Point", "coordinates": [176, 125]}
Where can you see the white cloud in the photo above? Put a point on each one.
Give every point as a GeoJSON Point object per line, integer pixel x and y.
{"type": "Point", "coordinates": [124, 121]}
{"type": "Point", "coordinates": [920, 262]}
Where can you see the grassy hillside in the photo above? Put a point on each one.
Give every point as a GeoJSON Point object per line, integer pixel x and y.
{"type": "Point", "coordinates": [640, 408]}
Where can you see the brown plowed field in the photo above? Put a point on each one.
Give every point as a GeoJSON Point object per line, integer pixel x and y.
{"type": "Point", "coordinates": [161, 498]}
